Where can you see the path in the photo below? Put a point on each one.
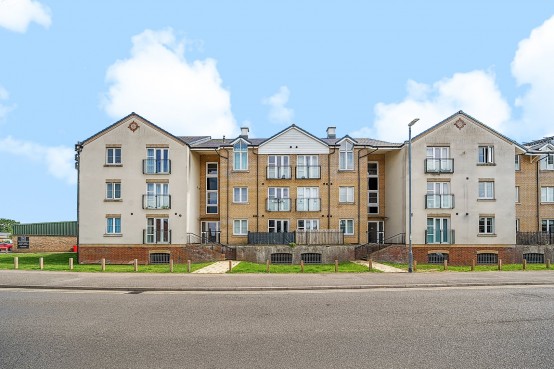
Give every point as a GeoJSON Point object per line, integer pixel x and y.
{"type": "Point", "coordinates": [219, 267]}
{"type": "Point", "coordinates": [382, 267]}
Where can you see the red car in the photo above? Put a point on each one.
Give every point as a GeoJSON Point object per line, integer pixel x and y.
{"type": "Point", "coordinates": [5, 246]}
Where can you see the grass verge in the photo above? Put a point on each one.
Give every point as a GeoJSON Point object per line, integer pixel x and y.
{"type": "Point", "coordinates": [344, 267]}
{"type": "Point", "coordinates": [467, 268]}
{"type": "Point", "coordinates": [60, 262]}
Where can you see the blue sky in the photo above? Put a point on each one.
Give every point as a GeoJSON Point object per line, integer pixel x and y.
{"type": "Point", "coordinates": [70, 68]}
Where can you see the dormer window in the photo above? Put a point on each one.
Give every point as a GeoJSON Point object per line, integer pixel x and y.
{"type": "Point", "coordinates": [240, 156]}
{"type": "Point", "coordinates": [346, 156]}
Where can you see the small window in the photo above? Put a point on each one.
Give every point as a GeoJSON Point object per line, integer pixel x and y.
{"type": "Point", "coordinates": [486, 190]}
{"type": "Point", "coordinates": [113, 225]}
{"type": "Point", "coordinates": [486, 155]}
{"type": "Point", "coordinates": [240, 195]}
{"type": "Point", "coordinates": [240, 156]}
{"type": "Point", "coordinates": [113, 156]}
{"type": "Point", "coordinates": [347, 226]}
{"type": "Point", "coordinates": [547, 225]}
{"type": "Point", "coordinates": [486, 225]}
{"type": "Point", "coordinates": [517, 193]}
{"type": "Point", "coordinates": [437, 258]}
{"type": "Point", "coordinates": [547, 162]}
{"type": "Point", "coordinates": [487, 258]}
{"type": "Point", "coordinates": [346, 195]}
{"type": "Point", "coordinates": [159, 258]}
{"type": "Point", "coordinates": [534, 258]}
{"type": "Point", "coordinates": [547, 194]}
{"type": "Point", "coordinates": [517, 162]}
{"type": "Point", "coordinates": [281, 258]}
{"type": "Point", "coordinates": [113, 191]}
{"type": "Point", "coordinates": [346, 156]}
{"type": "Point", "coordinates": [240, 227]}
{"type": "Point", "coordinates": [311, 258]}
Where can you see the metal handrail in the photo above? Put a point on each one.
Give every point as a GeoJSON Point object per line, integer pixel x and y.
{"type": "Point", "coordinates": [309, 172]}
{"type": "Point", "coordinates": [278, 172]}
{"type": "Point", "coordinates": [445, 165]}
{"type": "Point", "coordinates": [308, 204]}
{"type": "Point", "coordinates": [156, 166]}
{"type": "Point", "coordinates": [159, 201]}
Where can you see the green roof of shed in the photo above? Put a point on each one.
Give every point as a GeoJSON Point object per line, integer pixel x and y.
{"type": "Point", "coordinates": [46, 229]}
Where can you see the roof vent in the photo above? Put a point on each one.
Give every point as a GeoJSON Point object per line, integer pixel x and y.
{"type": "Point", "coordinates": [331, 132]}
{"type": "Point", "coordinates": [244, 132]}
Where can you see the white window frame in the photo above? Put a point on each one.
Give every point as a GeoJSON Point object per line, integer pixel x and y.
{"type": "Point", "coordinates": [278, 199]}
{"type": "Point", "coordinates": [547, 225]}
{"type": "Point", "coordinates": [240, 195]}
{"type": "Point", "coordinates": [157, 196]}
{"type": "Point", "coordinates": [347, 226]}
{"type": "Point", "coordinates": [112, 225]}
{"type": "Point", "coordinates": [157, 161]}
{"type": "Point", "coordinates": [307, 166]}
{"type": "Point", "coordinates": [155, 234]}
{"type": "Point", "coordinates": [486, 190]}
{"type": "Point", "coordinates": [518, 162]}
{"type": "Point", "coordinates": [278, 167]}
{"type": "Point", "coordinates": [307, 224]}
{"type": "Point", "coordinates": [547, 194]}
{"type": "Point", "coordinates": [346, 155]}
{"type": "Point", "coordinates": [240, 155]}
{"type": "Point", "coordinates": [112, 188]}
{"type": "Point", "coordinates": [485, 154]}
{"type": "Point", "coordinates": [308, 203]}
{"type": "Point", "coordinates": [212, 192]}
{"type": "Point", "coordinates": [346, 194]}
{"type": "Point", "coordinates": [240, 227]}
{"type": "Point", "coordinates": [486, 225]}
{"type": "Point", "coordinates": [517, 194]}
{"type": "Point", "coordinates": [282, 223]}
{"type": "Point", "coordinates": [438, 159]}
{"type": "Point", "coordinates": [114, 154]}
{"type": "Point", "coordinates": [547, 162]}
{"type": "Point", "coordinates": [375, 193]}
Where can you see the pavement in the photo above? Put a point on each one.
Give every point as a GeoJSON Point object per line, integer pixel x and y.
{"type": "Point", "coordinates": [219, 267]}
{"type": "Point", "coordinates": [381, 267]}
{"type": "Point", "coordinates": [265, 282]}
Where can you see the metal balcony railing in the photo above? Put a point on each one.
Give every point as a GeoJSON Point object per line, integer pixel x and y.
{"type": "Point", "coordinates": [308, 204]}
{"type": "Point", "coordinates": [439, 201]}
{"type": "Point", "coordinates": [278, 172]}
{"type": "Point", "coordinates": [278, 204]}
{"type": "Point", "coordinates": [156, 201]}
{"type": "Point", "coordinates": [156, 166]}
{"type": "Point", "coordinates": [308, 172]}
{"type": "Point", "coordinates": [440, 237]}
{"type": "Point", "coordinates": [439, 165]}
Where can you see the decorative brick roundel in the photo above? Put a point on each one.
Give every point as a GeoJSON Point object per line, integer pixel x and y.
{"type": "Point", "coordinates": [133, 126]}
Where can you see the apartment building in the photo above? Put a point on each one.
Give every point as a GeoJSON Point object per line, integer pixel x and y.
{"type": "Point", "coordinates": [149, 195]}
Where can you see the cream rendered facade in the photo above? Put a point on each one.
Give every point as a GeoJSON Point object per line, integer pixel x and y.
{"type": "Point", "coordinates": [131, 137]}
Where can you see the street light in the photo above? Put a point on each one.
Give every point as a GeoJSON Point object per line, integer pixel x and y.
{"type": "Point", "coordinates": [411, 254]}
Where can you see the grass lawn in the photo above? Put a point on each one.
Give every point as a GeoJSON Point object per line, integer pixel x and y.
{"type": "Point", "coordinates": [344, 267]}
{"type": "Point", "coordinates": [60, 262]}
{"type": "Point", "coordinates": [464, 268]}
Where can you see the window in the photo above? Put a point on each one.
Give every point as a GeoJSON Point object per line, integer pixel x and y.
{"type": "Point", "coordinates": [346, 195]}
{"type": "Point", "coordinates": [307, 224]}
{"type": "Point", "coordinates": [157, 196]}
{"type": "Point", "coordinates": [157, 161]}
{"type": "Point", "coordinates": [437, 257]}
{"type": "Point", "coordinates": [113, 156]}
{"type": "Point", "coordinates": [346, 156]}
{"type": "Point", "coordinates": [438, 231]}
{"type": "Point", "coordinates": [113, 191]}
{"type": "Point", "coordinates": [278, 167]}
{"type": "Point", "coordinates": [311, 258]}
{"type": "Point", "coordinates": [547, 225]}
{"type": "Point", "coordinates": [157, 230]}
{"type": "Point", "coordinates": [547, 162]}
{"type": "Point", "coordinates": [517, 225]}
{"type": "Point", "coordinates": [438, 196]}
{"type": "Point", "coordinates": [486, 155]}
{"type": "Point", "coordinates": [159, 258]}
{"type": "Point", "coordinates": [240, 195]}
{"type": "Point", "coordinates": [438, 160]}
{"type": "Point", "coordinates": [307, 166]}
{"type": "Point", "coordinates": [278, 225]}
{"type": "Point", "coordinates": [347, 226]}
{"type": "Point", "coordinates": [281, 258]}
{"type": "Point", "coordinates": [534, 258]}
{"type": "Point", "coordinates": [547, 194]}
{"type": "Point", "coordinates": [210, 232]}
{"type": "Point", "coordinates": [517, 193]}
{"type": "Point", "coordinates": [487, 258]}
{"type": "Point", "coordinates": [308, 199]}
{"type": "Point", "coordinates": [517, 162]}
{"type": "Point", "coordinates": [373, 188]}
{"type": "Point", "coordinates": [240, 156]}
{"type": "Point", "coordinates": [486, 225]}
{"type": "Point", "coordinates": [278, 199]}
{"type": "Point", "coordinates": [211, 188]}
{"type": "Point", "coordinates": [240, 227]}
{"type": "Point", "coordinates": [486, 190]}
{"type": "Point", "coordinates": [113, 225]}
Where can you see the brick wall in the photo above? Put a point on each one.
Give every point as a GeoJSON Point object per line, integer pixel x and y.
{"type": "Point", "coordinates": [121, 254]}
{"type": "Point", "coordinates": [260, 254]}
{"type": "Point", "coordinates": [47, 244]}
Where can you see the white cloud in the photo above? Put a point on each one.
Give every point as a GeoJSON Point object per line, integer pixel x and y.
{"type": "Point", "coordinates": [59, 160]}
{"type": "Point", "coordinates": [278, 112]}
{"type": "Point", "coordinates": [16, 15]}
{"type": "Point", "coordinates": [4, 108]}
{"type": "Point", "coordinates": [157, 82]}
{"type": "Point", "coordinates": [476, 93]}
{"type": "Point", "coordinates": [532, 67]}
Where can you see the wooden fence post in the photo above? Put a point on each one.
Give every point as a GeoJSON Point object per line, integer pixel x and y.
{"type": "Point", "coordinates": [524, 264]}
{"type": "Point", "coordinates": [230, 265]}
{"type": "Point", "coordinates": [302, 266]}
{"type": "Point", "coordinates": [415, 265]}
{"type": "Point", "coordinates": [547, 263]}
{"type": "Point", "coordinates": [267, 266]}
{"type": "Point", "coordinates": [16, 262]}
{"type": "Point", "coordinates": [171, 265]}
{"type": "Point", "coordinates": [41, 263]}
{"type": "Point", "coordinates": [336, 266]}
{"type": "Point", "coordinates": [188, 266]}
{"type": "Point", "coordinates": [135, 263]}
{"type": "Point", "coordinates": [445, 263]}
{"type": "Point", "coordinates": [70, 263]}
{"type": "Point", "coordinates": [499, 264]}
{"type": "Point", "coordinates": [370, 264]}
{"type": "Point", "coordinates": [472, 265]}
{"type": "Point", "coordinates": [103, 263]}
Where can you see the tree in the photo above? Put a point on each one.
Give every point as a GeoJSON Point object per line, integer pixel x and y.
{"type": "Point", "coordinates": [6, 225]}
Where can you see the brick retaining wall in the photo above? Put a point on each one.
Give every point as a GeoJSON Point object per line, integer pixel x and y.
{"type": "Point", "coordinates": [46, 244]}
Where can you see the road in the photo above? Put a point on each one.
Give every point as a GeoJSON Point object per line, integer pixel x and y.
{"type": "Point", "coordinates": [463, 327]}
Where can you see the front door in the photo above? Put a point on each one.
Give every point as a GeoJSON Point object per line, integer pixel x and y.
{"type": "Point", "coordinates": [210, 232]}
{"type": "Point", "coordinates": [375, 232]}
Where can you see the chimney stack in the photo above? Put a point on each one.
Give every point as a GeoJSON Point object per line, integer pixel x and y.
{"type": "Point", "coordinates": [244, 132]}
{"type": "Point", "coordinates": [331, 132]}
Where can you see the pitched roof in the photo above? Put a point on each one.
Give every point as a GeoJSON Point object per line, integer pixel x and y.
{"type": "Point", "coordinates": [539, 144]}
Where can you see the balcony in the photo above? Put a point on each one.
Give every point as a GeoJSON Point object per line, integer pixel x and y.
{"type": "Point", "coordinates": [278, 204]}
{"type": "Point", "coordinates": [439, 201]}
{"type": "Point", "coordinates": [278, 172]}
{"type": "Point", "coordinates": [308, 172]}
{"type": "Point", "coordinates": [308, 204]}
{"type": "Point", "coordinates": [535, 238]}
{"type": "Point", "coordinates": [156, 166]}
{"type": "Point", "coordinates": [156, 201]}
{"type": "Point", "coordinates": [446, 237]}
{"type": "Point", "coordinates": [439, 165]}
{"type": "Point", "coordinates": [156, 237]}
{"type": "Point", "coordinates": [313, 237]}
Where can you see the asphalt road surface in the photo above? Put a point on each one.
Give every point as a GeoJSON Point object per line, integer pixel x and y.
{"type": "Point", "coordinates": [470, 327]}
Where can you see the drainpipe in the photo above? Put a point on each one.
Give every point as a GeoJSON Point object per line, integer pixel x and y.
{"type": "Point", "coordinates": [78, 149]}
{"type": "Point", "coordinates": [227, 210]}
{"type": "Point", "coordinates": [359, 191]}
{"type": "Point", "coordinates": [329, 187]}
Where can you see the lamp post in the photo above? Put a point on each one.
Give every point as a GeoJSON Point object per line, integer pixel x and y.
{"type": "Point", "coordinates": [411, 254]}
